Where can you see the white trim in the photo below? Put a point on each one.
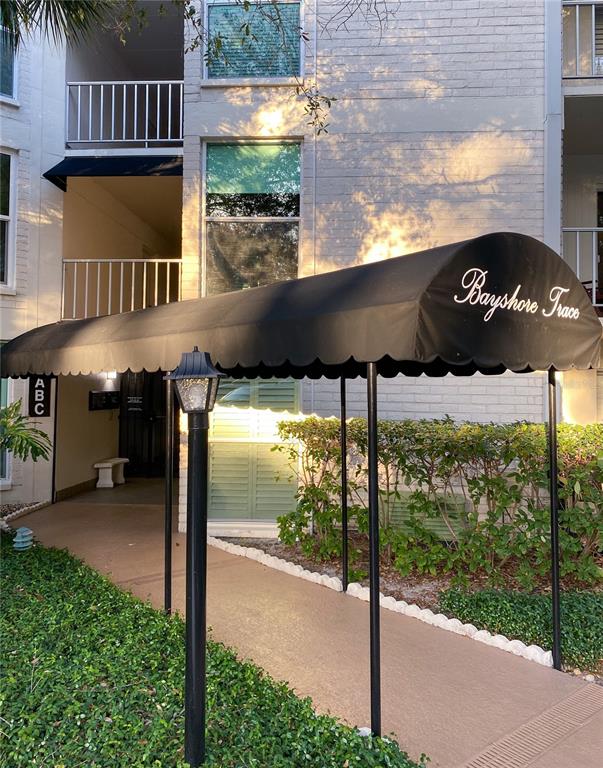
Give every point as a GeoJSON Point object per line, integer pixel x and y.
{"type": "Point", "coordinates": [253, 529]}
{"type": "Point", "coordinates": [251, 82]}
{"type": "Point", "coordinates": [261, 80]}
{"type": "Point", "coordinates": [122, 152]}
{"type": "Point", "coordinates": [9, 286]}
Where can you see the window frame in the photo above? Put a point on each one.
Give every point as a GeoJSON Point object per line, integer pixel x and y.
{"type": "Point", "coordinates": [14, 99]}
{"type": "Point", "coordinates": [260, 80]}
{"type": "Point", "coordinates": [9, 285]}
{"type": "Point", "coordinates": [205, 218]}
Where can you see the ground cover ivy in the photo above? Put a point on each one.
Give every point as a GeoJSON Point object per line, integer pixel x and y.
{"type": "Point", "coordinates": [92, 677]}
{"type": "Point", "coordinates": [528, 617]}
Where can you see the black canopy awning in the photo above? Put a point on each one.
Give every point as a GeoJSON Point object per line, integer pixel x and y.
{"type": "Point", "coordinates": [112, 165]}
{"type": "Point", "coordinates": [499, 302]}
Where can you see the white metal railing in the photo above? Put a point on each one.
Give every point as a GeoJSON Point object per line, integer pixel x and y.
{"type": "Point", "coordinates": [93, 287]}
{"type": "Point", "coordinates": [583, 251]}
{"type": "Point", "coordinates": [136, 113]}
{"type": "Point", "coordinates": [582, 39]}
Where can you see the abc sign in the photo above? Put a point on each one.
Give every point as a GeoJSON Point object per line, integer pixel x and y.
{"type": "Point", "coordinates": [39, 396]}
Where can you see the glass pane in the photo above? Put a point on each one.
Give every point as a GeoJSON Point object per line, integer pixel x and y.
{"type": "Point", "coordinates": [4, 184]}
{"type": "Point", "coordinates": [253, 179]}
{"type": "Point", "coordinates": [3, 251]}
{"type": "Point", "coordinates": [7, 67]}
{"type": "Point", "coordinates": [271, 49]}
{"type": "Point", "coordinates": [247, 254]}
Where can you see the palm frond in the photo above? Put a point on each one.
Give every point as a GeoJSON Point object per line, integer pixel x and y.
{"type": "Point", "coordinates": [70, 21]}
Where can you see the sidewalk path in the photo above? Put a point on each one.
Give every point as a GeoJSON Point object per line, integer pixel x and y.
{"type": "Point", "coordinates": [461, 702]}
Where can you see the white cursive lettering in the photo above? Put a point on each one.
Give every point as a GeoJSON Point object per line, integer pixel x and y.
{"type": "Point", "coordinates": [474, 281]}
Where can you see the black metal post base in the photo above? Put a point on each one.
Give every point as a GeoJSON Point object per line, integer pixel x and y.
{"type": "Point", "coordinates": [344, 487]}
{"type": "Point", "coordinates": [373, 511]}
{"type": "Point", "coordinates": [554, 495]}
{"type": "Point", "coordinates": [196, 570]}
{"type": "Point", "coordinates": [169, 469]}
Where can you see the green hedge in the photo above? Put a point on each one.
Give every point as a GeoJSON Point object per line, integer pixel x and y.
{"type": "Point", "coordinates": [428, 470]}
{"type": "Point", "coordinates": [529, 618]}
{"type": "Point", "coordinates": [93, 677]}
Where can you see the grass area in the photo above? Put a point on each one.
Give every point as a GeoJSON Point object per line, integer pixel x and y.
{"type": "Point", "coordinates": [528, 617]}
{"type": "Point", "coordinates": [93, 678]}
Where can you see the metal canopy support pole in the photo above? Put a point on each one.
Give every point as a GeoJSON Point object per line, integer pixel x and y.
{"type": "Point", "coordinates": [169, 471]}
{"type": "Point", "coordinates": [196, 573]}
{"type": "Point", "coordinates": [554, 495]}
{"type": "Point", "coordinates": [344, 487]}
{"type": "Point", "coordinates": [373, 511]}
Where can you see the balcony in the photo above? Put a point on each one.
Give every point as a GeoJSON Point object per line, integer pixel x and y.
{"type": "Point", "coordinates": [131, 114]}
{"type": "Point", "coordinates": [582, 40]}
{"type": "Point", "coordinates": [583, 251]}
{"type": "Point", "coordinates": [93, 287]}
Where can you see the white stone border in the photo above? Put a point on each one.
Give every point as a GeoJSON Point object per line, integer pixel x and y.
{"type": "Point", "coordinates": [517, 647]}
{"type": "Point", "coordinates": [20, 512]}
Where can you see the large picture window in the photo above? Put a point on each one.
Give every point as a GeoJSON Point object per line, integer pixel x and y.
{"type": "Point", "coordinates": [270, 49]}
{"type": "Point", "coordinates": [252, 215]}
{"type": "Point", "coordinates": [6, 223]}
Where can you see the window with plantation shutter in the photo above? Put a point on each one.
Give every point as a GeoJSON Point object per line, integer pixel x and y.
{"type": "Point", "coordinates": [243, 466]}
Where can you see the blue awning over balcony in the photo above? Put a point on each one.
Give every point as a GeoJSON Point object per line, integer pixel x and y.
{"type": "Point", "coordinates": [115, 165]}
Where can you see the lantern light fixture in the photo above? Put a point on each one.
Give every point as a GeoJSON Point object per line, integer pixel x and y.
{"type": "Point", "coordinates": [196, 382]}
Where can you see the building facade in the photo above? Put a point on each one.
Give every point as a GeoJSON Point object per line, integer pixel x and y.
{"type": "Point", "coordinates": [183, 176]}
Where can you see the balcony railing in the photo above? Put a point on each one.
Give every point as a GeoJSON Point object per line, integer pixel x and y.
{"type": "Point", "coordinates": [583, 251]}
{"type": "Point", "coordinates": [93, 287]}
{"type": "Point", "coordinates": [124, 114]}
{"type": "Point", "coordinates": [582, 39]}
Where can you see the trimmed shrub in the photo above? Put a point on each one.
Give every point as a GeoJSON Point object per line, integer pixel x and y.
{"type": "Point", "coordinates": [454, 498]}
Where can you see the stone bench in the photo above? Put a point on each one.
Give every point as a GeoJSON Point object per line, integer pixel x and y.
{"type": "Point", "coordinates": [106, 476]}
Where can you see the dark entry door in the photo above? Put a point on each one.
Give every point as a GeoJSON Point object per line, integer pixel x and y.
{"type": "Point", "coordinates": [142, 423]}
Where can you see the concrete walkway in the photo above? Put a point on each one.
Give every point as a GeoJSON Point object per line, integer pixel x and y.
{"type": "Point", "coordinates": [459, 701]}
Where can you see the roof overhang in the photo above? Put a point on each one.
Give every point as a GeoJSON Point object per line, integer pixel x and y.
{"type": "Point", "coordinates": [114, 165]}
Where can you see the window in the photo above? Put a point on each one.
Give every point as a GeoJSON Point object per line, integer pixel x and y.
{"type": "Point", "coordinates": [7, 66]}
{"type": "Point", "coordinates": [252, 215]}
{"type": "Point", "coordinates": [6, 219]}
{"type": "Point", "coordinates": [271, 49]}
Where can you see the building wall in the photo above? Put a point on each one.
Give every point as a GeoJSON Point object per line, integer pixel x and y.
{"type": "Point", "coordinates": [33, 129]}
{"type": "Point", "coordinates": [511, 397]}
{"type": "Point", "coordinates": [83, 437]}
{"type": "Point", "coordinates": [437, 135]}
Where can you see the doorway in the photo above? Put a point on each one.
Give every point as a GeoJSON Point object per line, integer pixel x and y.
{"type": "Point", "coordinates": [142, 423]}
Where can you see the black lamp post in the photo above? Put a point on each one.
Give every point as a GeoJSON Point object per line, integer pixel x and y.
{"type": "Point", "coordinates": [196, 382]}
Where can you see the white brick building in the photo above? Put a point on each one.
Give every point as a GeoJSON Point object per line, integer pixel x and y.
{"type": "Point", "coordinates": [448, 123]}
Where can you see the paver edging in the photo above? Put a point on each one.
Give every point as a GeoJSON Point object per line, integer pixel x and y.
{"type": "Point", "coordinates": [517, 647]}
